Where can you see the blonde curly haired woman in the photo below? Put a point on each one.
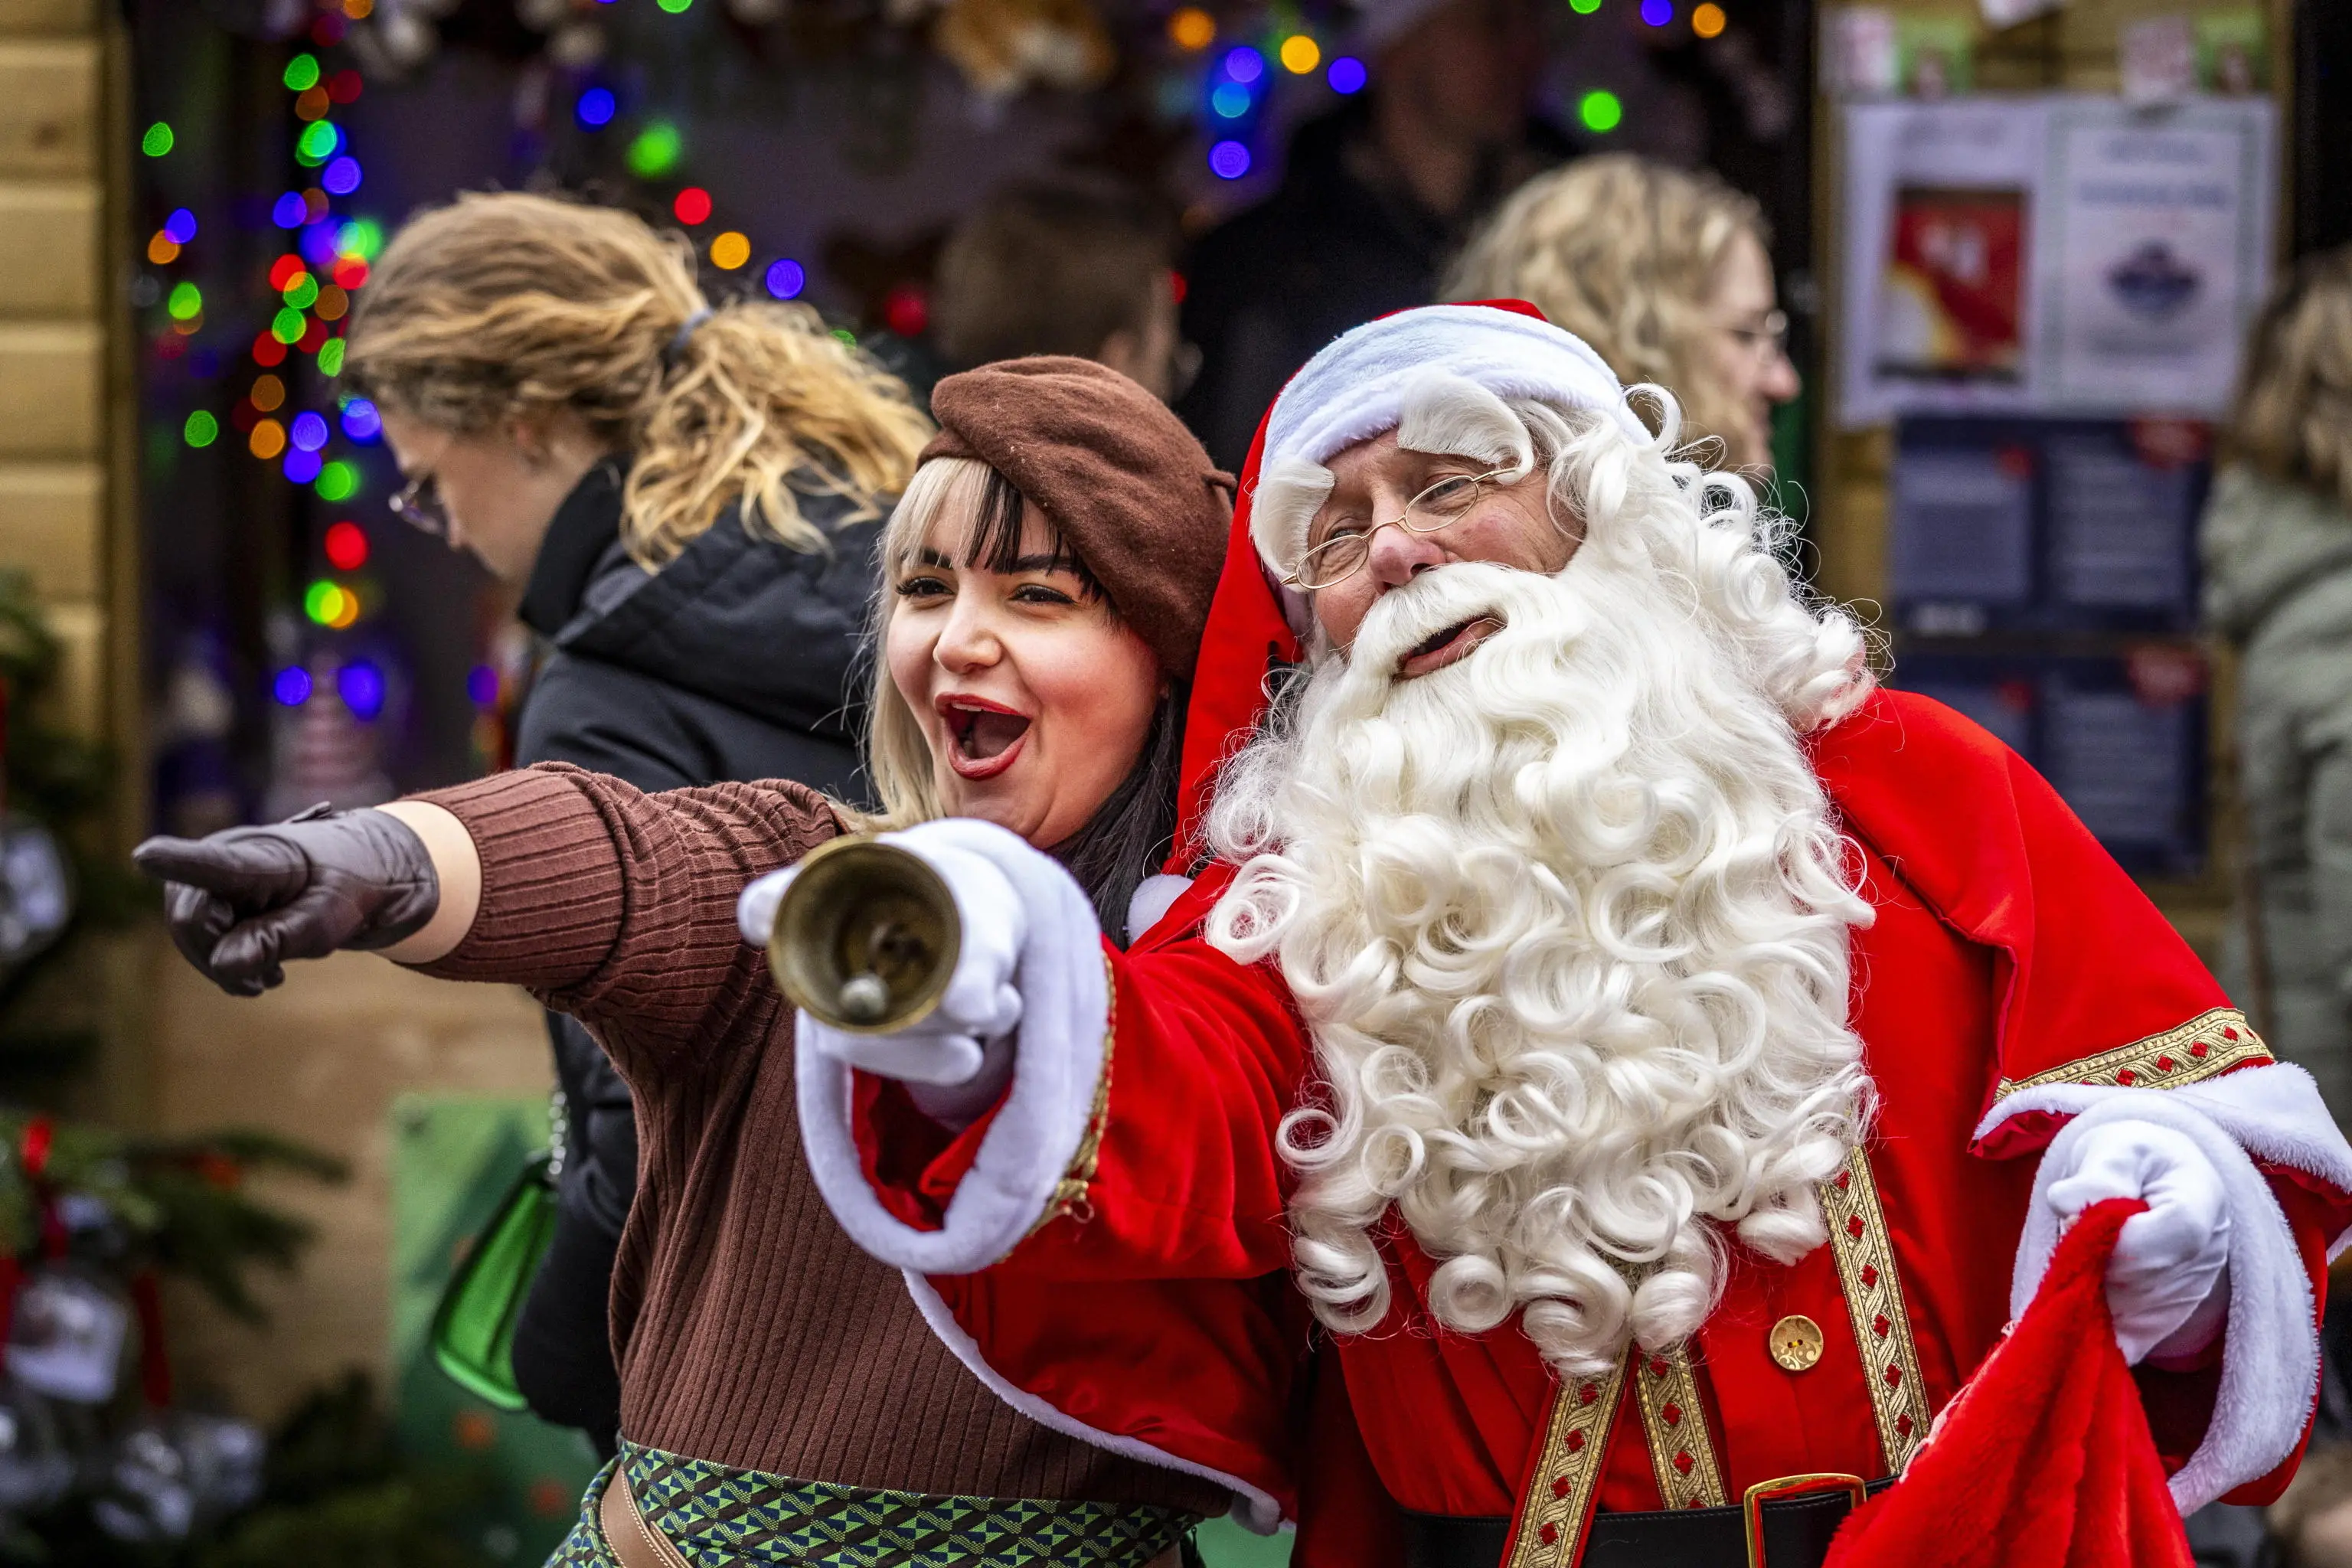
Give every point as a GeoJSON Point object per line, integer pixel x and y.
{"type": "Point", "coordinates": [2277, 547]}
{"type": "Point", "coordinates": [1668, 274]}
{"type": "Point", "coordinates": [685, 499]}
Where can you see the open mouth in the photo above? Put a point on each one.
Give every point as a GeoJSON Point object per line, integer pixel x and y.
{"type": "Point", "coordinates": [1440, 648]}
{"type": "Point", "coordinates": [984, 737]}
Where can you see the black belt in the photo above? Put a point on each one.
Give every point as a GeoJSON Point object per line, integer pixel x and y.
{"type": "Point", "coordinates": [1794, 1532]}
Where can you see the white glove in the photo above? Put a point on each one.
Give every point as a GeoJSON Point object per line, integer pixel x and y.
{"type": "Point", "coordinates": [2167, 1281]}
{"type": "Point", "coordinates": [982, 1006]}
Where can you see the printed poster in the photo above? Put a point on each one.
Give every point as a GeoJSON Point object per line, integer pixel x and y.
{"type": "Point", "coordinates": [2062, 255]}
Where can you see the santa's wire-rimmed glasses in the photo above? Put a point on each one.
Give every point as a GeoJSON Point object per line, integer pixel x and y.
{"type": "Point", "coordinates": [1343, 553]}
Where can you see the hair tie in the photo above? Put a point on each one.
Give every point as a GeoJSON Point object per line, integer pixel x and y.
{"type": "Point", "coordinates": [684, 335]}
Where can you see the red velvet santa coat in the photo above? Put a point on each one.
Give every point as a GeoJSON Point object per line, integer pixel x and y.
{"type": "Point", "coordinates": [2009, 953]}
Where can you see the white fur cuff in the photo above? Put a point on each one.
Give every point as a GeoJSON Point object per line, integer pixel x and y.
{"type": "Point", "coordinates": [2270, 1366]}
{"type": "Point", "coordinates": [1064, 989]}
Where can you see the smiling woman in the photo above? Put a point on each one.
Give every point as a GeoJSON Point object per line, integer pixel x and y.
{"type": "Point", "coordinates": [1046, 578]}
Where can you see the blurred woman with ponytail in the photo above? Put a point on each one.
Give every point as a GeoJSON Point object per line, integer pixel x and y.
{"type": "Point", "coordinates": [687, 499]}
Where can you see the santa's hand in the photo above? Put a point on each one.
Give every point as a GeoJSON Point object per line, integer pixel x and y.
{"type": "Point", "coordinates": [963, 1044]}
{"type": "Point", "coordinates": [2167, 1281]}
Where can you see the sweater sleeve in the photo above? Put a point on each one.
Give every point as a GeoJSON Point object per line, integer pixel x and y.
{"type": "Point", "coordinates": [618, 907]}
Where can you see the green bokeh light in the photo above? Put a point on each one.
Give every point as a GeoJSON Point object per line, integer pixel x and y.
{"type": "Point", "coordinates": [158, 140]}
{"type": "Point", "coordinates": [330, 357]}
{"type": "Point", "coordinates": [1584, 8]}
{"type": "Point", "coordinates": [338, 481]}
{"type": "Point", "coordinates": [202, 429]}
{"type": "Point", "coordinates": [302, 72]}
{"type": "Point", "coordinates": [1601, 110]}
{"type": "Point", "coordinates": [673, 6]}
{"type": "Point", "coordinates": [317, 143]}
{"type": "Point", "coordinates": [187, 303]}
{"type": "Point", "coordinates": [303, 292]}
{"type": "Point", "coordinates": [321, 600]}
{"type": "Point", "coordinates": [286, 325]}
{"type": "Point", "coordinates": [362, 238]}
{"type": "Point", "coordinates": [655, 151]}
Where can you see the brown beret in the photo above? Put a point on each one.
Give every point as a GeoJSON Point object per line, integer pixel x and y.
{"type": "Point", "coordinates": [1132, 491]}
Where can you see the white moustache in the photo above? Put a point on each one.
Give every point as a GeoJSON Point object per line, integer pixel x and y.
{"type": "Point", "coordinates": [1407, 616]}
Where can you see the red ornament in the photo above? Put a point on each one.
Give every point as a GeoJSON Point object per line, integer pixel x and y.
{"type": "Point", "coordinates": [1561, 1486]}
{"type": "Point", "coordinates": [1549, 1534]}
{"type": "Point", "coordinates": [1682, 1461]}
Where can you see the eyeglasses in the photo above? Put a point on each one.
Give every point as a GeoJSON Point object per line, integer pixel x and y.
{"type": "Point", "coordinates": [418, 504]}
{"type": "Point", "coordinates": [1770, 338]}
{"type": "Point", "coordinates": [1343, 554]}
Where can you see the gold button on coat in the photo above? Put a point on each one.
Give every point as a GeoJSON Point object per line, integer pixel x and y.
{"type": "Point", "coordinates": [1796, 1343]}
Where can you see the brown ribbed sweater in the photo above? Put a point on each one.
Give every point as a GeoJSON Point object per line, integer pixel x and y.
{"type": "Point", "coordinates": [751, 1332]}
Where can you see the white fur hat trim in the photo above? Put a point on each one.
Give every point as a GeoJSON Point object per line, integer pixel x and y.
{"type": "Point", "coordinates": [1356, 387]}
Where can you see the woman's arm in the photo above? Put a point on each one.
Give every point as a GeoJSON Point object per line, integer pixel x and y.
{"type": "Point", "coordinates": [608, 903]}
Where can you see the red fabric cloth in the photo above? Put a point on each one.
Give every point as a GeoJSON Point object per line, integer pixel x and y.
{"type": "Point", "coordinates": [2045, 1460]}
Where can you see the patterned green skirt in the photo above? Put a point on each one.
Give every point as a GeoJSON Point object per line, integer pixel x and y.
{"type": "Point", "coordinates": [718, 1517]}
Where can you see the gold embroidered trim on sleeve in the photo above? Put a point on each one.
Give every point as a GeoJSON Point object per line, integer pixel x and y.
{"type": "Point", "coordinates": [1557, 1504]}
{"type": "Point", "coordinates": [2206, 1047]}
{"type": "Point", "coordinates": [1070, 1193]}
{"type": "Point", "coordinates": [1873, 1299]}
{"type": "Point", "coordinates": [1682, 1451]}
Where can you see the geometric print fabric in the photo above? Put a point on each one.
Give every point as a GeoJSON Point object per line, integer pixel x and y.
{"type": "Point", "coordinates": [720, 1517]}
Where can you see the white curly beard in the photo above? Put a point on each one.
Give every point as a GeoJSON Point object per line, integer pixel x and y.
{"type": "Point", "coordinates": [1569, 920]}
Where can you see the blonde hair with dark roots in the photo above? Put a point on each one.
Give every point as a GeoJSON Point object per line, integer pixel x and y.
{"type": "Point", "coordinates": [1624, 253]}
{"type": "Point", "coordinates": [2292, 422]}
{"type": "Point", "coordinates": [505, 304]}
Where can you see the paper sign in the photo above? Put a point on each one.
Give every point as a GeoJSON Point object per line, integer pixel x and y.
{"type": "Point", "coordinates": [2063, 254]}
{"type": "Point", "coordinates": [1862, 59]}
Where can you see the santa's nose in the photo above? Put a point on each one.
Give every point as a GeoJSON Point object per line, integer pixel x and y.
{"type": "Point", "coordinates": [1399, 555]}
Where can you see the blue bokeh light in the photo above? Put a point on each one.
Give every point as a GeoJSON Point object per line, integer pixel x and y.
{"type": "Point", "coordinates": [290, 211]}
{"type": "Point", "coordinates": [1346, 75]}
{"type": "Point", "coordinates": [302, 466]}
{"type": "Point", "coordinates": [786, 279]}
{"type": "Point", "coordinates": [1244, 64]}
{"type": "Point", "coordinates": [341, 177]}
{"type": "Point", "coordinates": [1229, 159]}
{"type": "Point", "coordinates": [1657, 12]}
{"type": "Point", "coordinates": [361, 685]}
{"type": "Point", "coordinates": [180, 226]}
{"type": "Point", "coordinates": [482, 685]}
{"type": "Point", "coordinates": [1230, 100]}
{"type": "Point", "coordinates": [308, 431]}
{"type": "Point", "coordinates": [292, 685]}
{"type": "Point", "coordinates": [595, 108]}
{"type": "Point", "coordinates": [318, 245]}
{"type": "Point", "coordinates": [362, 422]}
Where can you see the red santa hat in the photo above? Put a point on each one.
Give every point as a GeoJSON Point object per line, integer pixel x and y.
{"type": "Point", "coordinates": [1351, 392]}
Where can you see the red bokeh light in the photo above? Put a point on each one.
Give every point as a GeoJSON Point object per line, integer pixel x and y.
{"type": "Point", "coordinates": [328, 30]}
{"type": "Point", "coordinates": [314, 334]}
{"type": "Point", "coordinates": [267, 350]}
{"type": "Point", "coordinates": [283, 271]}
{"type": "Point", "coordinates": [344, 86]}
{"type": "Point", "coordinates": [1178, 286]}
{"type": "Point", "coordinates": [347, 546]}
{"type": "Point", "coordinates": [351, 272]}
{"type": "Point", "coordinates": [692, 205]}
{"type": "Point", "coordinates": [906, 310]}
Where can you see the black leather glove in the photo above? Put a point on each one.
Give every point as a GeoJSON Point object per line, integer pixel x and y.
{"type": "Point", "coordinates": [243, 901]}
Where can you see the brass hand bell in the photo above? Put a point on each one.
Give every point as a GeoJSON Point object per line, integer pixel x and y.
{"type": "Point", "coordinates": [866, 937]}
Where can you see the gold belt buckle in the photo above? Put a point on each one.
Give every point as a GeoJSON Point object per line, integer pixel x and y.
{"type": "Point", "coordinates": [1752, 1501]}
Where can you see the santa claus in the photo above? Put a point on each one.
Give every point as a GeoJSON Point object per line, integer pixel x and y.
{"type": "Point", "coordinates": [1662, 1058]}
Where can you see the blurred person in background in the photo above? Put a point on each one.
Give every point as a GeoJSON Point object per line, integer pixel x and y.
{"type": "Point", "coordinates": [1668, 274]}
{"type": "Point", "coordinates": [1056, 267]}
{"type": "Point", "coordinates": [687, 501]}
{"type": "Point", "coordinates": [2277, 547]}
{"type": "Point", "coordinates": [1375, 196]}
